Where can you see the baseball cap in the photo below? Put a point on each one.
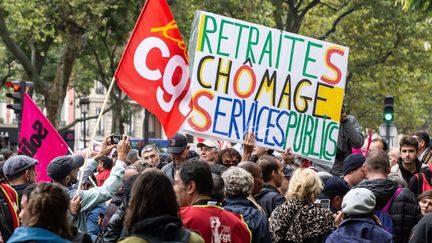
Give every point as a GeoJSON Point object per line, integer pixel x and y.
{"type": "Point", "coordinates": [288, 171]}
{"type": "Point", "coordinates": [62, 166]}
{"type": "Point", "coordinates": [16, 164]}
{"type": "Point", "coordinates": [335, 186]}
{"type": "Point", "coordinates": [177, 143]}
{"type": "Point", "coordinates": [352, 162]}
{"type": "Point", "coordinates": [209, 143]}
{"type": "Point", "coordinates": [358, 201]}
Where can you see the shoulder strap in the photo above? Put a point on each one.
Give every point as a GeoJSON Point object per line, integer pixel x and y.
{"type": "Point", "coordinates": [11, 197]}
{"type": "Point", "coordinates": [419, 182]}
{"type": "Point", "coordinates": [389, 203]}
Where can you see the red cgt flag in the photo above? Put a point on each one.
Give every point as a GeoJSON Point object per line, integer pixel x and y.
{"type": "Point", "coordinates": [154, 68]}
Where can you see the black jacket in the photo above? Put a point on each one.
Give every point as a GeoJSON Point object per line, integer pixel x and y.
{"type": "Point", "coordinates": [269, 198]}
{"type": "Point", "coordinates": [114, 228]}
{"type": "Point", "coordinates": [161, 229]}
{"type": "Point", "coordinates": [404, 210]}
{"type": "Point", "coordinates": [422, 232]}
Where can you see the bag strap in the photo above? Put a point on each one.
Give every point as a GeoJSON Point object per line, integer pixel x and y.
{"type": "Point", "coordinates": [424, 160]}
{"type": "Point", "coordinates": [389, 203]}
{"type": "Point", "coordinates": [419, 182]}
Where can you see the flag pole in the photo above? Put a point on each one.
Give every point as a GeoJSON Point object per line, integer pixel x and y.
{"type": "Point", "coordinates": [90, 147]}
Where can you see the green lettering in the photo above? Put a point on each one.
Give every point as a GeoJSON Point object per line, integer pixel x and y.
{"type": "Point", "coordinates": [331, 126]}
{"type": "Point", "coordinates": [312, 144]}
{"type": "Point", "coordinates": [241, 26]}
{"type": "Point", "coordinates": [309, 59]}
{"type": "Point", "coordinates": [249, 52]}
{"type": "Point", "coordinates": [267, 49]}
{"type": "Point", "coordinates": [221, 37]}
{"type": "Point", "coordinates": [205, 39]}
{"type": "Point", "coordinates": [308, 135]}
{"type": "Point", "coordinates": [279, 50]}
{"type": "Point", "coordinates": [299, 144]}
{"type": "Point", "coordinates": [294, 39]}
{"type": "Point", "coordinates": [323, 137]}
{"type": "Point", "coordinates": [289, 125]}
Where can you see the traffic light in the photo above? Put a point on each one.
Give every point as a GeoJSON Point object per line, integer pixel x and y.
{"type": "Point", "coordinates": [17, 96]}
{"type": "Point", "coordinates": [388, 109]}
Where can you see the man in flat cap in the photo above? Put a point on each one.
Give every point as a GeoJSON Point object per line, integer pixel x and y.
{"type": "Point", "coordinates": [20, 172]}
{"type": "Point", "coordinates": [64, 169]}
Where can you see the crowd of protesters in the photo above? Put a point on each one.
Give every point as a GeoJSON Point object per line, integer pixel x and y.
{"type": "Point", "coordinates": [219, 195]}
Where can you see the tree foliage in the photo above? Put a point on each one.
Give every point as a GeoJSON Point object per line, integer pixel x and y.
{"type": "Point", "coordinates": [73, 43]}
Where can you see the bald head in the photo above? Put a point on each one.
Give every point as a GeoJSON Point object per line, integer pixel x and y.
{"type": "Point", "coordinates": [250, 167]}
{"type": "Point", "coordinates": [256, 173]}
{"type": "Point", "coordinates": [128, 173]}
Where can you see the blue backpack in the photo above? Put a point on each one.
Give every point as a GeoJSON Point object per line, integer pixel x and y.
{"type": "Point", "coordinates": [383, 214]}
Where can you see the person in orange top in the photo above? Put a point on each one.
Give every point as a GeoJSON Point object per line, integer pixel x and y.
{"type": "Point", "coordinates": [193, 184]}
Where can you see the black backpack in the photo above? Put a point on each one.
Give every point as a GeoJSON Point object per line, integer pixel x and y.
{"type": "Point", "coordinates": [6, 226]}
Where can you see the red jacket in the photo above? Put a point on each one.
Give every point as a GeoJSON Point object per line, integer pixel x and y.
{"type": "Point", "coordinates": [215, 224]}
{"type": "Point", "coordinates": [102, 176]}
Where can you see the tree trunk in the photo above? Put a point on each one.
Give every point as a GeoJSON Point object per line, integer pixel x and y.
{"type": "Point", "coordinates": [117, 121]}
{"type": "Point", "coordinates": [54, 95]}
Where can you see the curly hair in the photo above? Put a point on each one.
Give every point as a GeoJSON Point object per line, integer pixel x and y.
{"type": "Point", "coordinates": [304, 185]}
{"type": "Point", "coordinates": [47, 208]}
{"type": "Point", "coordinates": [237, 182]}
{"type": "Point", "coordinates": [230, 153]}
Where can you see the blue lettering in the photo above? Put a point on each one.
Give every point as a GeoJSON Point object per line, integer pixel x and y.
{"type": "Point", "coordinates": [281, 143]}
{"type": "Point", "coordinates": [217, 113]}
{"type": "Point", "coordinates": [233, 123]}
{"type": "Point", "coordinates": [269, 126]}
{"type": "Point", "coordinates": [258, 122]}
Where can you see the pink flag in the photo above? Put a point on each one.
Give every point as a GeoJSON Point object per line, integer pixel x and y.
{"type": "Point", "coordinates": [39, 139]}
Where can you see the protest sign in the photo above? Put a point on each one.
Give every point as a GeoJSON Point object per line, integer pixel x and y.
{"type": "Point", "coordinates": [286, 88]}
{"type": "Point", "coordinates": [39, 139]}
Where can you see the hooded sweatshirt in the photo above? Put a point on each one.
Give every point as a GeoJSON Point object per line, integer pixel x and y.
{"type": "Point", "coordinates": [404, 210]}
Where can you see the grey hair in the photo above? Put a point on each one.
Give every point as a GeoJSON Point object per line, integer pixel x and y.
{"type": "Point", "coordinates": [237, 182]}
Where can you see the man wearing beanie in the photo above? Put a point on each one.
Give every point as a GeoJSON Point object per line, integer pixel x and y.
{"type": "Point", "coordinates": [404, 209]}
{"type": "Point", "coordinates": [353, 171]}
{"type": "Point", "coordinates": [63, 171]}
{"type": "Point", "coordinates": [359, 224]}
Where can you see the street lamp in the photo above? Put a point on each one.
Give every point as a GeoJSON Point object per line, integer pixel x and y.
{"type": "Point", "coordinates": [84, 104]}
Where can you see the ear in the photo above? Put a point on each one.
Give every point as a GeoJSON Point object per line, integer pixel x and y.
{"type": "Point", "coordinates": [191, 187]}
{"type": "Point", "coordinates": [274, 174]}
{"type": "Point", "coordinates": [66, 180]}
{"type": "Point", "coordinates": [336, 202]}
{"type": "Point", "coordinates": [421, 144]}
